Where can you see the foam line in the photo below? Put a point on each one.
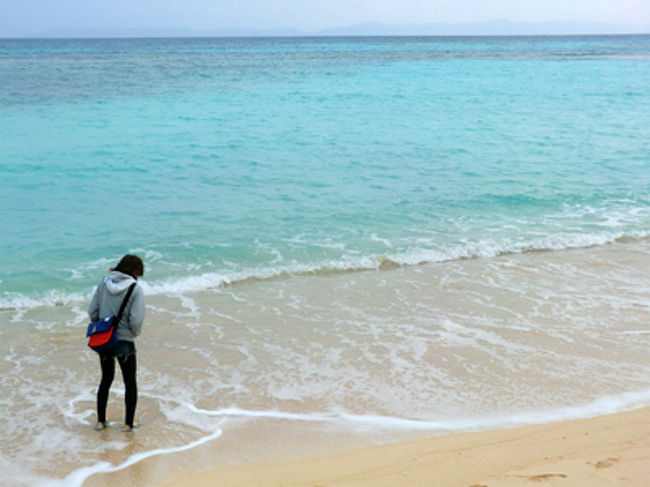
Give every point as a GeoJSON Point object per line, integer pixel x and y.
{"type": "Point", "coordinates": [270, 414]}
{"type": "Point", "coordinates": [605, 405]}
{"type": "Point", "coordinates": [79, 476]}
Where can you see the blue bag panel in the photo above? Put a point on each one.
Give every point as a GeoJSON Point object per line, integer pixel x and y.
{"type": "Point", "coordinates": [100, 326]}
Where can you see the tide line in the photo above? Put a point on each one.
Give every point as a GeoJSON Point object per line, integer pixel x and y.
{"type": "Point", "coordinates": [604, 405]}
{"type": "Point", "coordinates": [79, 476]}
{"type": "Point", "coordinates": [601, 406]}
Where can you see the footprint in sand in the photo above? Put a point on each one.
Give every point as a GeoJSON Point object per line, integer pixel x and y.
{"type": "Point", "coordinates": [608, 462]}
{"type": "Point", "coordinates": [546, 476]}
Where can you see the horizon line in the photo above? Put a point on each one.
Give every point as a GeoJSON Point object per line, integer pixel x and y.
{"type": "Point", "coordinates": [308, 36]}
{"type": "Point", "coordinates": [489, 28]}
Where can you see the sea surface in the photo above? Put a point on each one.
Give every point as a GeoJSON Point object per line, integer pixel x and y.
{"type": "Point", "coordinates": [346, 241]}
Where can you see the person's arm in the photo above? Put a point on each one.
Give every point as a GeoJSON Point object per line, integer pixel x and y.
{"type": "Point", "coordinates": [136, 313]}
{"type": "Point", "coordinates": [93, 309]}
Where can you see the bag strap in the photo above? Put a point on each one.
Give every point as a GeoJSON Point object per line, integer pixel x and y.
{"type": "Point", "coordinates": [126, 299]}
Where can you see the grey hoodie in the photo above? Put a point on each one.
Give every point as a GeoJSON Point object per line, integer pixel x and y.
{"type": "Point", "coordinates": [107, 299]}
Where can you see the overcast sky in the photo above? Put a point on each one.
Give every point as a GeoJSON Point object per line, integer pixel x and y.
{"type": "Point", "coordinates": [28, 17]}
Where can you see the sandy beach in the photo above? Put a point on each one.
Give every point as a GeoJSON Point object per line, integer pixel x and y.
{"type": "Point", "coordinates": [612, 450]}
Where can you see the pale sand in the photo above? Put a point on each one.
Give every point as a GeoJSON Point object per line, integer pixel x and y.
{"type": "Point", "coordinates": [607, 451]}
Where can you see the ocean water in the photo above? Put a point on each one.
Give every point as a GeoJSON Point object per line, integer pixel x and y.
{"type": "Point", "coordinates": [348, 239]}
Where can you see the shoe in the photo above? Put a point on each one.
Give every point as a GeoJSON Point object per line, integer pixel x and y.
{"type": "Point", "coordinates": [101, 426]}
{"type": "Point", "coordinates": [128, 429]}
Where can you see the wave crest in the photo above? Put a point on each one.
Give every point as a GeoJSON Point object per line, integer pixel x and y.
{"type": "Point", "coordinates": [356, 263]}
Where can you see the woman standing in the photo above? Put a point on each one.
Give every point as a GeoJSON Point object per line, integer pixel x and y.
{"type": "Point", "coordinates": [106, 301]}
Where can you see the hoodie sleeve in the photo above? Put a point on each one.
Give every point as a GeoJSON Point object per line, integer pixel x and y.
{"type": "Point", "coordinates": [93, 309]}
{"type": "Point", "coordinates": [136, 313]}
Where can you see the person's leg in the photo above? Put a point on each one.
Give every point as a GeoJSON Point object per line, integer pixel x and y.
{"type": "Point", "coordinates": [128, 366]}
{"type": "Point", "coordinates": [107, 363]}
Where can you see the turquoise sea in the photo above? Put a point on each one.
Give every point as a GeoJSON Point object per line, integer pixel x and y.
{"type": "Point", "coordinates": [470, 194]}
{"type": "Point", "coordinates": [225, 159]}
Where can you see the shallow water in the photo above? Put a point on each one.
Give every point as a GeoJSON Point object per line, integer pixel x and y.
{"type": "Point", "coordinates": [320, 362]}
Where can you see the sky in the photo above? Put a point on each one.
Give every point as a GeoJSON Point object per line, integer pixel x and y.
{"type": "Point", "coordinates": [23, 18]}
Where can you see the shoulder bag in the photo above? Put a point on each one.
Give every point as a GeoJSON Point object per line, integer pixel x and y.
{"type": "Point", "coordinates": [102, 334]}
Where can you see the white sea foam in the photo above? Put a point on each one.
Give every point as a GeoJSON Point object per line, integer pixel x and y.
{"type": "Point", "coordinates": [149, 255]}
{"type": "Point", "coordinates": [375, 238]}
{"type": "Point", "coordinates": [605, 405]}
{"type": "Point", "coordinates": [65, 439]}
{"type": "Point", "coordinates": [53, 298]}
{"type": "Point", "coordinates": [484, 249]}
{"type": "Point", "coordinates": [70, 412]}
{"type": "Point", "coordinates": [78, 477]}
{"type": "Point", "coordinates": [415, 256]}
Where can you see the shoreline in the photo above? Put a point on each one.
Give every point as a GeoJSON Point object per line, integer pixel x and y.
{"type": "Point", "coordinates": [609, 450]}
{"type": "Point", "coordinates": [218, 279]}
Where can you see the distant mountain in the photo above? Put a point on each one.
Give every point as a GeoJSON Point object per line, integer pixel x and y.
{"type": "Point", "coordinates": [495, 27]}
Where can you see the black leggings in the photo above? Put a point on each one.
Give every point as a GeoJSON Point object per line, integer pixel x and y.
{"type": "Point", "coordinates": [128, 366]}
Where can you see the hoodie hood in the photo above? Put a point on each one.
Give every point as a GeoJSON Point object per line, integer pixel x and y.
{"type": "Point", "coordinates": [117, 282]}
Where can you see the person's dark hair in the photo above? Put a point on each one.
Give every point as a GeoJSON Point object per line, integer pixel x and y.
{"type": "Point", "coordinates": [131, 265]}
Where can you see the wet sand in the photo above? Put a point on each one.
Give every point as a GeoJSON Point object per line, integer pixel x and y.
{"type": "Point", "coordinates": [612, 450]}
